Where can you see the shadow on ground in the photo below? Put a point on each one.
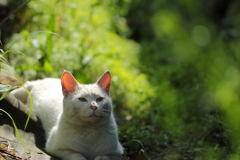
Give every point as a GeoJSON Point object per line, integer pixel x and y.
{"type": "Point", "coordinates": [33, 137]}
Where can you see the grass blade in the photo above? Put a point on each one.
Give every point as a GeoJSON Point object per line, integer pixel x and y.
{"type": "Point", "coordinates": [30, 107]}
{"type": "Point", "coordinates": [142, 150]}
{"type": "Point", "coordinates": [16, 130]}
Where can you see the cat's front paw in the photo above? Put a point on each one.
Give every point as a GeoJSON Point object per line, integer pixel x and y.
{"type": "Point", "coordinates": [75, 156]}
{"type": "Point", "coordinates": [102, 158]}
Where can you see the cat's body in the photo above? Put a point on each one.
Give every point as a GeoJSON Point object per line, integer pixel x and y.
{"type": "Point", "coordinates": [46, 105]}
{"type": "Point", "coordinates": [77, 118]}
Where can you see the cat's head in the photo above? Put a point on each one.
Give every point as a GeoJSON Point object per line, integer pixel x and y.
{"type": "Point", "coordinates": [89, 103]}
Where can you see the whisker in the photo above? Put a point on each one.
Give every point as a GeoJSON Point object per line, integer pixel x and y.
{"type": "Point", "coordinates": [104, 110]}
{"type": "Point", "coordinates": [105, 114]}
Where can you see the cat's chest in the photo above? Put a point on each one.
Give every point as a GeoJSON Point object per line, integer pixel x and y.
{"type": "Point", "coordinates": [88, 136]}
{"type": "Point", "coordinates": [89, 142]}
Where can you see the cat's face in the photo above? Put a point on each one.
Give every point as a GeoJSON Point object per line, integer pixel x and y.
{"type": "Point", "coordinates": [86, 103]}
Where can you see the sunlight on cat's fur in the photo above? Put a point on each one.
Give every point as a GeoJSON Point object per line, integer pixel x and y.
{"type": "Point", "coordinates": [77, 118]}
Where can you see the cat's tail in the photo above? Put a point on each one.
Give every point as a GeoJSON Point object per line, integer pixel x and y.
{"type": "Point", "coordinates": [21, 93]}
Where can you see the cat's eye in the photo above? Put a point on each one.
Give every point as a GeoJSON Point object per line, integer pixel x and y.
{"type": "Point", "coordinates": [99, 99]}
{"type": "Point", "coordinates": [82, 99]}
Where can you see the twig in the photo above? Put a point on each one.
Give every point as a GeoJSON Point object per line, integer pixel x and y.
{"type": "Point", "coordinates": [6, 152]}
{"type": "Point", "coordinates": [1, 47]}
{"type": "Point", "coordinates": [14, 11]}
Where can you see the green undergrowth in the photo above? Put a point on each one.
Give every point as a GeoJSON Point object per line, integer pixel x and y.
{"type": "Point", "coordinates": [8, 71]}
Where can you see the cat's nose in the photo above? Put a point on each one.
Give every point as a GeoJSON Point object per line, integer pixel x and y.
{"type": "Point", "coordinates": [94, 108]}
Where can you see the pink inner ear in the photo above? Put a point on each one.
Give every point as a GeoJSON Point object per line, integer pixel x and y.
{"type": "Point", "coordinates": [68, 83]}
{"type": "Point", "coordinates": [105, 81]}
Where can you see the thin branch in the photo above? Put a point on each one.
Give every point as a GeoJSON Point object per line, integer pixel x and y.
{"type": "Point", "coordinates": [14, 11]}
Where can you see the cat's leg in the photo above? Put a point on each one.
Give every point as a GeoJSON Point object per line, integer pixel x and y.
{"type": "Point", "coordinates": [62, 153]}
{"type": "Point", "coordinates": [21, 93]}
{"type": "Point", "coordinates": [108, 158]}
{"type": "Point", "coordinates": [67, 155]}
{"type": "Point", "coordinates": [54, 147]}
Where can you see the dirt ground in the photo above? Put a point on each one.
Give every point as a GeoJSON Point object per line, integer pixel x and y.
{"type": "Point", "coordinates": [7, 153]}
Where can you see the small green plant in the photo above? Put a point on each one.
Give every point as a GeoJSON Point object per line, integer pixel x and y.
{"type": "Point", "coordinates": [16, 130]}
{"type": "Point", "coordinates": [138, 155]}
{"type": "Point", "coordinates": [143, 150]}
{"type": "Point", "coordinates": [4, 69]}
{"type": "Point", "coordinates": [6, 89]}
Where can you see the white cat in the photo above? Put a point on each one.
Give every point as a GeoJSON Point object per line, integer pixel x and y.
{"type": "Point", "coordinates": [77, 118]}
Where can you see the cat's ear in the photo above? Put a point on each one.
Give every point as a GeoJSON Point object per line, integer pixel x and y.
{"type": "Point", "coordinates": [104, 82]}
{"type": "Point", "coordinates": [68, 83]}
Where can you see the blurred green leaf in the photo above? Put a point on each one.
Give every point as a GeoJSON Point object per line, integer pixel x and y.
{"type": "Point", "coordinates": [7, 89]}
{"type": "Point", "coordinates": [138, 155]}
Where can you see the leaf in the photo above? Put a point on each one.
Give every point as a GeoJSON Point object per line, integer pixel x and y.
{"type": "Point", "coordinates": [47, 67]}
{"type": "Point", "coordinates": [4, 88]}
{"type": "Point", "coordinates": [143, 151]}
{"type": "Point", "coordinates": [138, 155]}
{"type": "Point", "coordinates": [124, 154]}
{"type": "Point", "coordinates": [7, 89]}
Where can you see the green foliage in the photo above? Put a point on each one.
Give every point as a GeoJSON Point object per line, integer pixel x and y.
{"type": "Point", "coordinates": [78, 36]}
{"type": "Point", "coordinates": [7, 70]}
{"type": "Point", "coordinates": [139, 155]}
{"type": "Point", "coordinates": [194, 71]}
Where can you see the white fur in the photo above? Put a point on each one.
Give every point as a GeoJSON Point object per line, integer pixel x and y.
{"type": "Point", "coordinates": [74, 131]}
{"type": "Point", "coordinates": [46, 100]}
